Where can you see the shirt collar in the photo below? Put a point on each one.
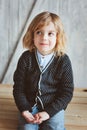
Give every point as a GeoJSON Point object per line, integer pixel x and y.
{"type": "Point", "coordinates": [44, 56]}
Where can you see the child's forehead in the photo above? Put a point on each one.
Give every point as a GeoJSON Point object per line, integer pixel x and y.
{"type": "Point", "coordinates": [49, 24]}
{"type": "Point", "coordinates": [42, 24]}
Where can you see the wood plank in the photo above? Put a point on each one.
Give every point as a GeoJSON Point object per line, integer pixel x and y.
{"type": "Point", "coordinates": [6, 91]}
{"type": "Point", "coordinates": [4, 123]}
{"type": "Point", "coordinates": [71, 127]}
{"type": "Point", "coordinates": [76, 110]}
{"type": "Point", "coordinates": [75, 114]}
{"type": "Point", "coordinates": [3, 107]}
{"type": "Point", "coordinates": [11, 115]}
{"type": "Point", "coordinates": [76, 121]}
{"type": "Point", "coordinates": [6, 102]}
{"type": "Point", "coordinates": [8, 128]}
{"type": "Point", "coordinates": [6, 95]}
{"type": "Point", "coordinates": [80, 92]}
{"type": "Point", "coordinates": [79, 100]}
{"type": "Point", "coordinates": [4, 87]}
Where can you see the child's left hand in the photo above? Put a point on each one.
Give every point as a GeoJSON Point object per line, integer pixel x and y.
{"type": "Point", "coordinates": [40, 117]}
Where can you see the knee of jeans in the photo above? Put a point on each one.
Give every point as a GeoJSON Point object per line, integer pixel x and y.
{"type": "Point", "coordinates": [59, 116]}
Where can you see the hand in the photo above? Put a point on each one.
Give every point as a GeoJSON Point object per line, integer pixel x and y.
{"type": "Point", "coordinates": [40, 117]}
{"type": "Point", "coordinates": [28, 116]}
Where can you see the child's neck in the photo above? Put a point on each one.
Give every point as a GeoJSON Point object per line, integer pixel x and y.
{"type": "Point", "coordinates": [44, 54]}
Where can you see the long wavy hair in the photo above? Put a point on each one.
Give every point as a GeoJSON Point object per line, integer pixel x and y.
{"type": "Point", "coordinates": [42, 20]}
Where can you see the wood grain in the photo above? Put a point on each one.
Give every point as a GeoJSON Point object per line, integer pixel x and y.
{"type": "Point", "coordinates": [75, 114]}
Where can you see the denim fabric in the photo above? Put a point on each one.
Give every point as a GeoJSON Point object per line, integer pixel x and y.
{"type": "Point", "coordinates": [54, 123]}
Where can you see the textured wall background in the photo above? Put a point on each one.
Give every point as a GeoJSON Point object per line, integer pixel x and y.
{"type": "Point", "coordinates": [16, 15]}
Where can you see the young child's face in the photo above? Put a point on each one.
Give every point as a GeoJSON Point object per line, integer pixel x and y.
{"type": "Point", "coordinates": [45, 39]}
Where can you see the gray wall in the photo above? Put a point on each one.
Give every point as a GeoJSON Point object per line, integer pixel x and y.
{"type": "Point", "coordinates": [15, 16]}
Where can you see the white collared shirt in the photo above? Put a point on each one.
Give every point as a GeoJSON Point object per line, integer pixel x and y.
{"type": "Point", "coordinates": [43, 60]}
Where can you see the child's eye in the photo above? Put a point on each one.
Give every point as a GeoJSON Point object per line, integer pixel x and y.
{"type": "Point", "coordinates": [51, 34]}
{"type": "Point", "coordinates": [39, 32]}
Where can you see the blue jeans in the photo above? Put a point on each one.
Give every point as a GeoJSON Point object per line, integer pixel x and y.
{"type": "Point", "coordinates": [54, 123]}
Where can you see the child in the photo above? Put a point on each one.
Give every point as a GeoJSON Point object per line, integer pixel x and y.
{"type": "Point", "coordinates": [43, 81]}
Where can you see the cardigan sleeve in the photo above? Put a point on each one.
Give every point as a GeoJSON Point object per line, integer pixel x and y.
{"type": "Point", "coordinates": [18, 87]}
{"type": "Point", "coordinates": [66, 88]}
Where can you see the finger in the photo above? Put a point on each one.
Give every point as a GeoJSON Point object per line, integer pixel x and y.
{"type": "Point", "coordinates": [29, 119]}
{"type": "Point", "coordinates": [39, 122]}
{"type": "Point", "coordinates": [36, 117]}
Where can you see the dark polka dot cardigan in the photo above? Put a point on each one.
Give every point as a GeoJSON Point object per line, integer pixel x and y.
{"type": "Point", "coordinates": [50, 89]}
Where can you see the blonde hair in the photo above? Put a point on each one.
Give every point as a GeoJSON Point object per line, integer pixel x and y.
{"type": "Point", "coordinates": [41, 20]}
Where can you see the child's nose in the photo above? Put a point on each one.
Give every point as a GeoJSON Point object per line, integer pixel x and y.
{"type": "Point", "coordinates": [45, 36]}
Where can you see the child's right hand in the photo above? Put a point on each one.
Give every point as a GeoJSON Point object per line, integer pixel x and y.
{"type": "Point", "coordinates": [28, 116]}
{"type": "Point", "coordinates": [37, 118]}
